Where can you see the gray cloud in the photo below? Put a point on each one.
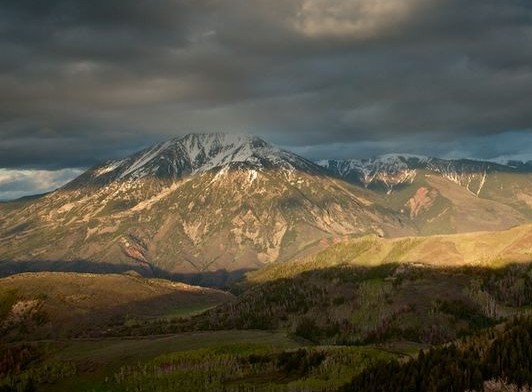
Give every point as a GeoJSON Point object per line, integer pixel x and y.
{"type": "Point", "coordinates": [498, 147]}
{"type": "Point", "coordinates": [83, 81]}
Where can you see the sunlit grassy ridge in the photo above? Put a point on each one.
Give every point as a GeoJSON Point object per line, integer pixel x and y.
{"type": "Point", "coordinates": [493, 249]}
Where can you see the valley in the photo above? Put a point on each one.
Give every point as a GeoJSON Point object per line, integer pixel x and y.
{"type": "Point", "coordinates": [323, 329]}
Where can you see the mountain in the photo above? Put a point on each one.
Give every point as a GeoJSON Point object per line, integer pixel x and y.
{"type": "Point", "coordinates": [213, 201]}
{"type": "Point", "coordinates": [199, 203]}
{"type": "Point", "coordinates": [445, 196]}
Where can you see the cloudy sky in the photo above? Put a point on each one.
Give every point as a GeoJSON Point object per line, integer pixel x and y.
{"type": "Point", "coordinates": [82, 81]}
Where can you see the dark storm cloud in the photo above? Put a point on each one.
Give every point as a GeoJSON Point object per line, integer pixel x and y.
{"type": "Point", "coordinates": [82, 81]}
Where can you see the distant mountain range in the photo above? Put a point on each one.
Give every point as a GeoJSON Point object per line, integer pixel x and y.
{"type": "Point", "coordinates": [390, 171]}
{"type": "Point", "coordinates": [445, 196]}
{"type": "Point", "coordinates": [206, 202]}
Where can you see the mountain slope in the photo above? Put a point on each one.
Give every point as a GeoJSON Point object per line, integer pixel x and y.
{"type": "Point", "coordinates": [199, 203]}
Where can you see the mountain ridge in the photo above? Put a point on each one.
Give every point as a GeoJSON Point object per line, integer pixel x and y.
{"type": "Point", "coordinates": [367, 171]}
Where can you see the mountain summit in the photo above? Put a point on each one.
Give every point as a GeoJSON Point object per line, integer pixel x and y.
{"type": "Point", "coordinates": [193, 154]}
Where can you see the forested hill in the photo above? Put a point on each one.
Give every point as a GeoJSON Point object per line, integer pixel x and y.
{"type": "Point", "coordinates": [496, 360]}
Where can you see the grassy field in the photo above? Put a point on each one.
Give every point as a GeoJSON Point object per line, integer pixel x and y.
{"type": "Point", "coordinates": [99, 359]}
{"type": "Point", "coordinates": [202, 361]}
{"type": "Point", "coordinates": [211, 361]}
{"type": "Point", "coordinates": [255, 367]}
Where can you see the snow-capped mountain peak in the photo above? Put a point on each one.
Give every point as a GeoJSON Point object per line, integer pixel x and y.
{"type": "Point", "coordinates": [209, 150]}
{"type": "Point", "coordinates": [196, 153]}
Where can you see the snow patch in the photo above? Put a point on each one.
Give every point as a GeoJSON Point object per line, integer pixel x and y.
{"type": "Point", "coordinates": [108, 168]}
{"type": "Point", "coordinates": [252, 176]}
{"type": "Point", "coordinates": [144, 159]}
